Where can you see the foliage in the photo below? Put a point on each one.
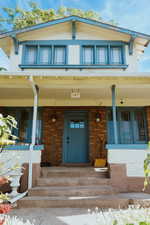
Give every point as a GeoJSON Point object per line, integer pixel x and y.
{"type": "Point", "coordinates": [131, 216]}
{"type": "Point", "coordinates": [6, 138]}
{"type": "Point", "coordinates": [20, 18]}
{"type": "Point", "coordinates": [14, 220]}
{"type": "Point", "coordinates": [6, 126]}
{"type": "Point", "coordinates": [147, 169]}
{"type": "Point", "coordinates": [2, 69]}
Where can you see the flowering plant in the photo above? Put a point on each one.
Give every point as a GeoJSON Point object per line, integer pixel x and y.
{"type": "Point", "coordinates": [131, 216]}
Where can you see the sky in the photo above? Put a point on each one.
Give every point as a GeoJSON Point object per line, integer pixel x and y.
{"type": "Point", "coordinates": [132, 14]}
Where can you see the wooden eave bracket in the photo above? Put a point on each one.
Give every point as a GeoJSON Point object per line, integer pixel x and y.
{"type": "Point", "coordinates": [16, 44]}
{"type": "Point", "coordinates": [131, 43]}
{"type": "Point", "coordinates": [73, 29]}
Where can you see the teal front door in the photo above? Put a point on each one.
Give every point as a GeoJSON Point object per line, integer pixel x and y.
{"type": "Point", "coordinates": [75, 146]}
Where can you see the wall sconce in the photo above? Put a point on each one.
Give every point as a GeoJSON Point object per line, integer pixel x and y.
{"type": "Point", "coordinates": [53, 118]}
{"type": "Point", "coordinates": [98, 117]}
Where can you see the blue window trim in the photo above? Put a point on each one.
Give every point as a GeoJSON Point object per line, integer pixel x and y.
{"type": "Point", "coordinates": [24, 147]}
{"type": "Point", "coordinates": [108, 46]}
{"type": "Point", "coordinates": [131, 110]}
{"type": "Point", "coordinates": [127, 146]}
{"type": "Point", "coordinates": [51, 62]}
{"type": "Point", "coordinates": [81, 43]}
{"type": "Point", "coordinates": [69, 66]}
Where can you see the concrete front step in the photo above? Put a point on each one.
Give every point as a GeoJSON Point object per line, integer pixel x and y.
{"type": "Point", "coordinates": [72, 191]}
{"type": "Point", "coordinates": [74, 172]}
{"type": "Point", "coordinates": [75, 181]}
{"type": "Point", "coordinates": [101, 201]}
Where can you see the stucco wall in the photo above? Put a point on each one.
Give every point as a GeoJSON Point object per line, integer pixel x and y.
{"type": "Point", "coordinates": [134, 160]}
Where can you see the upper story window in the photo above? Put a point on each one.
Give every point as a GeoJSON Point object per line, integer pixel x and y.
{"type": "Point", "coordinates": [45, 55]}
{"type": "Point", "coordinates": [102, 55]}
{"type": "Point", "coordinates": [88, 55]}
{"type": "Point", "coordinates": [31, 54]}
{"type": "Point", "coordinates": [65, 54]}
{"type": "Point", "coordinates": [59, 55]}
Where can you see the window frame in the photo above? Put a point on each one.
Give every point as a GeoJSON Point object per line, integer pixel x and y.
{"type": "Point", "coordinates": [108, 48]}
{"type": "Point", "coordinates": [51, 54]}
{"type": "Point", "coordinates": [133, 129]}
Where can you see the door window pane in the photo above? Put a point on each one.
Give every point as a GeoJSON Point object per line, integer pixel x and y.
{"type": "Point", "coordinates": [45, 55]}
{"type": "Point", "coordinates": [31, 55]}
{"type": "Point", "coordinates": [77, 124]}
{"type": "Point", "coordinates": [88, 55]}
{"type": "Point", "coordinates": [59, 55]}
{"type": "Point", "coordinates": [101, 55]}
{"type": "Point", "coordinates": [116, 55]}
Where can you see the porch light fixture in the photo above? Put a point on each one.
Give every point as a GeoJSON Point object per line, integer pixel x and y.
{"type": "Point", "coordinates": [75, 93]}
{"type": "Point", "coordinates": [98, 117]}
{"type": "Point", "coordinates": [53, 118]}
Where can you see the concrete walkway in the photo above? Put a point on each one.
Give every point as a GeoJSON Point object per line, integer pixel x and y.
{"type": "Point", "coordinates": [58, 216]}
{"type": "Point", "coordinates": [72, 216]}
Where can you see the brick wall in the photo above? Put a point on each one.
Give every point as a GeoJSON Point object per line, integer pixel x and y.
{"type": "Point", "coordinates": [53, 135]}
{"type": "Point", "coordinates": [97, 134]}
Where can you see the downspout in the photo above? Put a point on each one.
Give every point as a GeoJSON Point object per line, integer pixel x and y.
{"type": "Point", "coordinates": [35, 90]}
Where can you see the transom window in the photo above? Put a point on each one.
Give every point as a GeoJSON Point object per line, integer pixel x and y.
{"type": "Point", "coordinates": [131, 125]}
{"type": "Point", "coordinates": [102, 55]}
{"type": "Point", "coordinates": [45, 55]}
{"type": "Point", "coordinates": [77, 124]}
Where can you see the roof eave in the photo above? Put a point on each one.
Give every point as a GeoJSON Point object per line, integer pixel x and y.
{"type": "Point", "coordinates": [79, 19]}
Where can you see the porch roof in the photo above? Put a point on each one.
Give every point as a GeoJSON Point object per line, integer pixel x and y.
{"type": "Point", "coordinates": [55, 90]}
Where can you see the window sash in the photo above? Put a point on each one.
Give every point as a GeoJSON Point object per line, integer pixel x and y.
{"type": "Point", "coordinates": [59, 55]}
{"type": "Point", "coordinates": [31, 55]}
{"type": "Point", "coordinates": [101, 55]}
{"type": "Point", "coordinates": [45, 55]}
{"type": "Point", "coordinates": [116, 55]}
{"type": "Point", "coordinates": [88, 55]}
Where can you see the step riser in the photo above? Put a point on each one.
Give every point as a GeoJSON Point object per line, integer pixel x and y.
{"type": "Point", "coordinates": [115, 204]}
{"type": "Point", "coordinates": [73, 182]}
{"type": "Point", "coordinates": [73, 174]}
{"type": "Point", "coordinates": [70, 193]}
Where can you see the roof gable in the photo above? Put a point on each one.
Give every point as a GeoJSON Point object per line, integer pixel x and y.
{"type": "Point", "coordinates": [78, 19]}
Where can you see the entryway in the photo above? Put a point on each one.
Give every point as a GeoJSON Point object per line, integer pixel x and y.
{"type": "Point", "coordinates": [75, 139]}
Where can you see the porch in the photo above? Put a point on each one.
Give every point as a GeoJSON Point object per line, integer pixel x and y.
{"type": "Point", "coordinates": [114, 118]}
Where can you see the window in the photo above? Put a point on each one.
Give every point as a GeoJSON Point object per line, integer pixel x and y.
{"type": "Point", "coordinates": [59, 55]}
{"type": "Point", "coordinates": [88, 53]}
{"type": "Point", "coordinates": [45, 55]}
{"type": "Point", "coordinates": [77, 124]}
{"type": "Point", "coordinates": [24, 124]}
{"type": "Point", "coordinates": [31, 55]}
{"type": "Point", "coordinates": [131, 126]}
{"type": "Point", "coordinates": [101, 55]}
{"type": "Point", "coordinates": [116, 55]}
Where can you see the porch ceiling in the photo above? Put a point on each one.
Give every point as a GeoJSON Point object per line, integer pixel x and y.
{"type": "Point", "coordinates": [54, 91]}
